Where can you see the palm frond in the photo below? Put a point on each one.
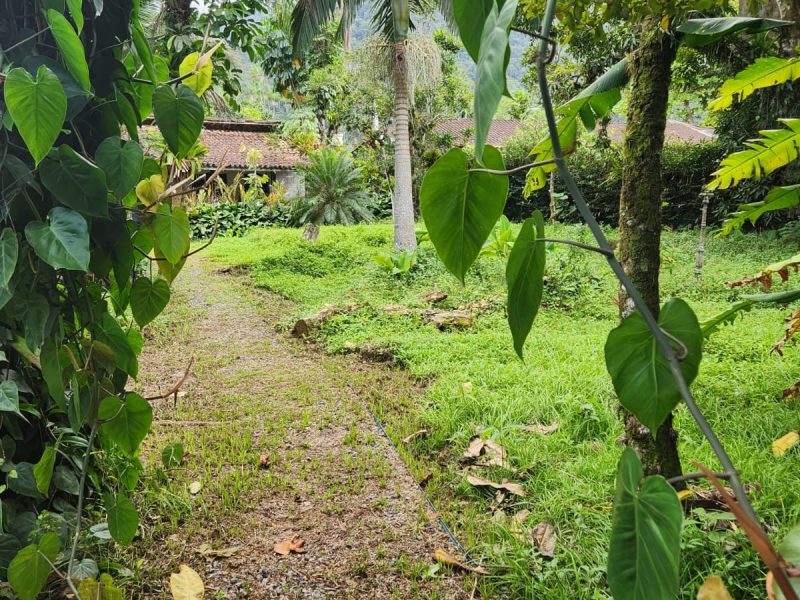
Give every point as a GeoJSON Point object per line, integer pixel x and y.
{"type": "Point", "coordinates": [763, 73]}
{"type": "Point", "coordinates": [308, 18]}
{"type": "Point", "coordinates": [778, 198]}
{"type": "Point", "coordinates": [775, 149]}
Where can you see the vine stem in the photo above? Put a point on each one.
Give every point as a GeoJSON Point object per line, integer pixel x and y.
{"type": "Point", "coordinates": [79, 508]}
{"type": "Point", "coordinates": [661, 339]}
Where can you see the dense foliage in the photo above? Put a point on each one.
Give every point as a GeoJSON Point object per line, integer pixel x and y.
{"type": "Point", "coordinates": [82, 209]}
{"type": "Point", "coordinates": [233, 219]}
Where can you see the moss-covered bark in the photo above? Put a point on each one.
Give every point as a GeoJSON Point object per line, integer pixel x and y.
{"type": "Point", "coordinates": [640, 213]}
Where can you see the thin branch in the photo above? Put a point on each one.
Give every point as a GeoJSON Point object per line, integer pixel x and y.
{"type": "Point", "coordinates": [81, 497]}
{"type": "Point", "coordinates": [692, 476]}
{"type": "Point", "coordinates": [515, 169]}
{"type": "Point", "coordinates": [23, 41]}
{"type": "Point", "coordinates": [590, 248]}
{"type": "Point", "coordinates": [176, 387]}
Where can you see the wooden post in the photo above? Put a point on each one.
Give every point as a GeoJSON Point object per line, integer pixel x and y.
{"type": "Point", "coordinates": [701, 248]}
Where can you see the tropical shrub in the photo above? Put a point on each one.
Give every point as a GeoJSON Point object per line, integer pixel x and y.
{"type": "Point", "coordinates": [334, 191]}
{"type": "Point", "coordinates": [83, 209]}
{"type": "Point", "coordinates": [233, 219]}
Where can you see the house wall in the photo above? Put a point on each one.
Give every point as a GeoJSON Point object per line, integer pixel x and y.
{"type": "Point", "coordinates": [292, 181]}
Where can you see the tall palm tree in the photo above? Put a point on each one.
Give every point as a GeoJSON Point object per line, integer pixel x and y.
{"type": "Point", "coordinates": [391, 19]}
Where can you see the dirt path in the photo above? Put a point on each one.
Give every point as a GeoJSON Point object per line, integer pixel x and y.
{"type": "Point", "coordinates": [329, 476]}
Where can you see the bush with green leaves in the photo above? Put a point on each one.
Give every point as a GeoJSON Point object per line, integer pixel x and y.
{"type": "Point", "coordinates": [233, 219]}
{"type": "Point", "coordinates": [334, 191]}
{"type": "Point", "coordinates": [83, 207]}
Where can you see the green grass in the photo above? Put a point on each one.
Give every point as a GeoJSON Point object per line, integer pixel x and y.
{"type": "Point", "coordinates": [569, 475]}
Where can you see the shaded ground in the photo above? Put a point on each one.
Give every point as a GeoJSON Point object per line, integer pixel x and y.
{"type": "Point", "coordinates": [328, 475]}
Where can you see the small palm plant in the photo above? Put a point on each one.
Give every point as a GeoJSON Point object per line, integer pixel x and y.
{"type": "Point", "coordinates": [334, 193]}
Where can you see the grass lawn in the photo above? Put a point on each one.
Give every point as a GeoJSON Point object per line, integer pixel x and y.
{"type": "Point", "coordinates": [477, 385]}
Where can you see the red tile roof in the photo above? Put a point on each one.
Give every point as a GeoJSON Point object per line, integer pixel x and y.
{"type": "Point", "coordinates": [676, 131]}
{"type": "Point", "coordinates": [463, 130]}
{"type": "Point", "coordinates": [229, 143]}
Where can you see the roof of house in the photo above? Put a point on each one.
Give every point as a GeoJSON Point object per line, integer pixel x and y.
{"type": "Point", "coordinates": [676, 131]}
{"type": "Point", "coordinates": [463, 130]}
{"type": "Point", "coordinates": [229, 143]}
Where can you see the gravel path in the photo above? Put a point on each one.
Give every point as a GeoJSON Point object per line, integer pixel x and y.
{"type": "Point", "coordinates": [283, 446]}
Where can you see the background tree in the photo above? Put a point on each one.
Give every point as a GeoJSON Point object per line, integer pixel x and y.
{"type": "Point", "coordinates": [392, 21]}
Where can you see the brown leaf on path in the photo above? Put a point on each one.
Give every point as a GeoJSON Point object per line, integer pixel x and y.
{"type": "Point", "coordinates": [445, 558]}
{"type": "Point", "coordinates": [544, 537]}
{"type": "Point", "coordinates": [206, 550]}
{"type": "Point", "coordinates": [424, 481]}
{"type": "Point", "coordinates": [713, 589]}
{"type": "Point", "coordinates": [186, 585]}
{"type": "Point", "coordinates": [782, 445]}
{"type": "Point", "coordinates": [409, 438]}
{"type": "Point", "coordinates": [541, 429]}
{"type": "Point", "coordinates": [286, 547]}
{"type": "Point", "coordinates": [792, 392]}
{"type": "Point", "coordinates": [434, 297]}
{"type": "Point", "coordinates": [517, 524]}
{"type": "Point", "coordinates": [513, 488]}
{"type": "Point", "coordinates": [263, 461]}
{"type": "Point", "coordinates": [792, 327]}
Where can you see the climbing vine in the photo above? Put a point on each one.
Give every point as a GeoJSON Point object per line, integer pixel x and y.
{"type": "Point", "coordinates": [92, 235]}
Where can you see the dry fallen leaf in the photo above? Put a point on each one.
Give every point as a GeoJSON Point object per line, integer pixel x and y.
{"type": "Point", "coordinates": [713, 589]}
{"type": "Point", "coordinates": [492, 453]}
{"type": "Point", "coordinates": [195, 487]}
{"type": "Point", "coordinates": [293, 545]}
{"type": "Point", "coordinates": [541, 429]}
{"type": "Point", "coordinates": [514, 488]}
{"type": "Point", "coordinates": [786, 443]}
{"type": "Point", "coordinates": [544, 536]}
{"type": "Point", "coordinates": [206, 550]}
{"type": "Point", "coordinates": [409, 438]}
{"type": "Point", "coordinates": [685, 495]}
{"type": "Point", "coordinates": [452, 561]}
{"type": "Point", "coordinates": [263, 461]}
{"type": "Point", "coordinates": [186, 585]}
{"type": "Point", "coordinates": [517, 522]}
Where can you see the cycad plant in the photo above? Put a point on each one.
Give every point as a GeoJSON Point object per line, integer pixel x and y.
{"type": "Point", "coordinates": [392, 21]}
{"type": "Point", "coordinates": [334, 193]}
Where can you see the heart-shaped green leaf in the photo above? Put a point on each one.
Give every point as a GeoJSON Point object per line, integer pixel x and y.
{"type": "Point", "coordinates": [490, 74]}
{"type": "Point", "coordinates": [43, 470]}
{"type": "Point", "coordinates": [125, 423]}
{"type": "Point", "coordinates": [645, 547]}
{"type": "Point", "coordinates": [525, 279]}
{"type": "Point", "coordinates": [461, 207]}
{"type": "Point", "coordinates": [179, 115]}
{"type": "Point", "coordinates": [200, 81]}
{"type": "Point", "coordinates": [171, 228]}
{"type": "Point", "coordinates": [38, 107]}
{"type": "Point", "coordinates": [641, 374]}
{"type": "Point", "coordinates": [31, 567]}
{"type": "Point", "coordinates": [123, 520]}
{"type": "Point", "coordinates": [9, 397]}
{"type": "Point", "coordinates": [122, 163]}
{"type": "Point", "coordinates": [470, 16]}
{"type": "Point", "coordinates": [108, 331]}
{"type": "Point", "coordinates": [75, 182]}
{"type": "Point", "coordinates": [148, 299]}
{"type": "Point", "coordinates": [9, 249]}
{"type": "Point", "coordinates": [63, 242]}
{"type": "Point", "coordinates": [70, 47]}
{"type": "Point", "coordinates": [77, 97]}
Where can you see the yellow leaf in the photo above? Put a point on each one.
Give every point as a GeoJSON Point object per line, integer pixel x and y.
{"type": "Point", "coordinates": [201, 71]}
{"type": "Point", "coordinates": [713, 589]}
{"type": "Point", "coordinates": [786, 443]}
{"type": "Point", "coordinates": [685, 495]}
{"type": "Point", "coordinates": [665, 22]}
{"type": "Point", "coordinates": [148, 191]}
{"type": "Point", "coordinates": [186, 585]}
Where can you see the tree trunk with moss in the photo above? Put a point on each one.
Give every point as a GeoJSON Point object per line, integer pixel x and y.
{"type": "Point", "coordinates": [640, 214]}
{"type": "Point", "coordinates": [402, 200]}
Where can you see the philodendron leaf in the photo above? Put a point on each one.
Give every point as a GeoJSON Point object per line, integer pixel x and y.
{"type": "Point", "coordinates": [29, 570]}
{"type": "Point", "coordinates": [38, 107]}
{"type": "Point", "coordinates": [75, 182]}
{"type": "Point", "coordinates": [125, 423]}
{"type": "Point", "coordinates": [148, 299]}
{"type": "Point", "coordinates": [43, 470]}
{"type": "Point", "coordinates": [200, 80]}
{"type": "Point", "coordinates": [179, 115]}
{"type": "Point", "coordinates": [171, 229]}
{"type": "Point", "coordinates": [9, 249]}
{"type": "Point", "coordinates": [9, 397]}
{"type": "Point", "coordinates": [123, 520]}
{"type": "Point", "coordinates": [641, 374]}
{"type": "Point", "coordinates": [490, 74]}
{"type": "Point", "coordinates": [63, 242]}
{"type": "Point", "coordinates": [122, 163]}
{"type": "Point", "coordinates": [525, 279]}
{"type": "Point", "coordinates": [461, 207]}
{"type": "Point", "coordinates": [645, 547]}
{"type": "Point", "coordinates": [470, 16]}
{"type": "Point", "coordinates": [70, 47]}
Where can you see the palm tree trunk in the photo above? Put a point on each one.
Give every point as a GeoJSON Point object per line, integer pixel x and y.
{"type": "Point", "coordinates": [640, 215]}
{"type": "Point", "coordinates": [402, 201]}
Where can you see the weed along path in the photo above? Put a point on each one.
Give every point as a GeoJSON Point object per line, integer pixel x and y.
{"type": "Point", "coordinates": [287, 489]}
